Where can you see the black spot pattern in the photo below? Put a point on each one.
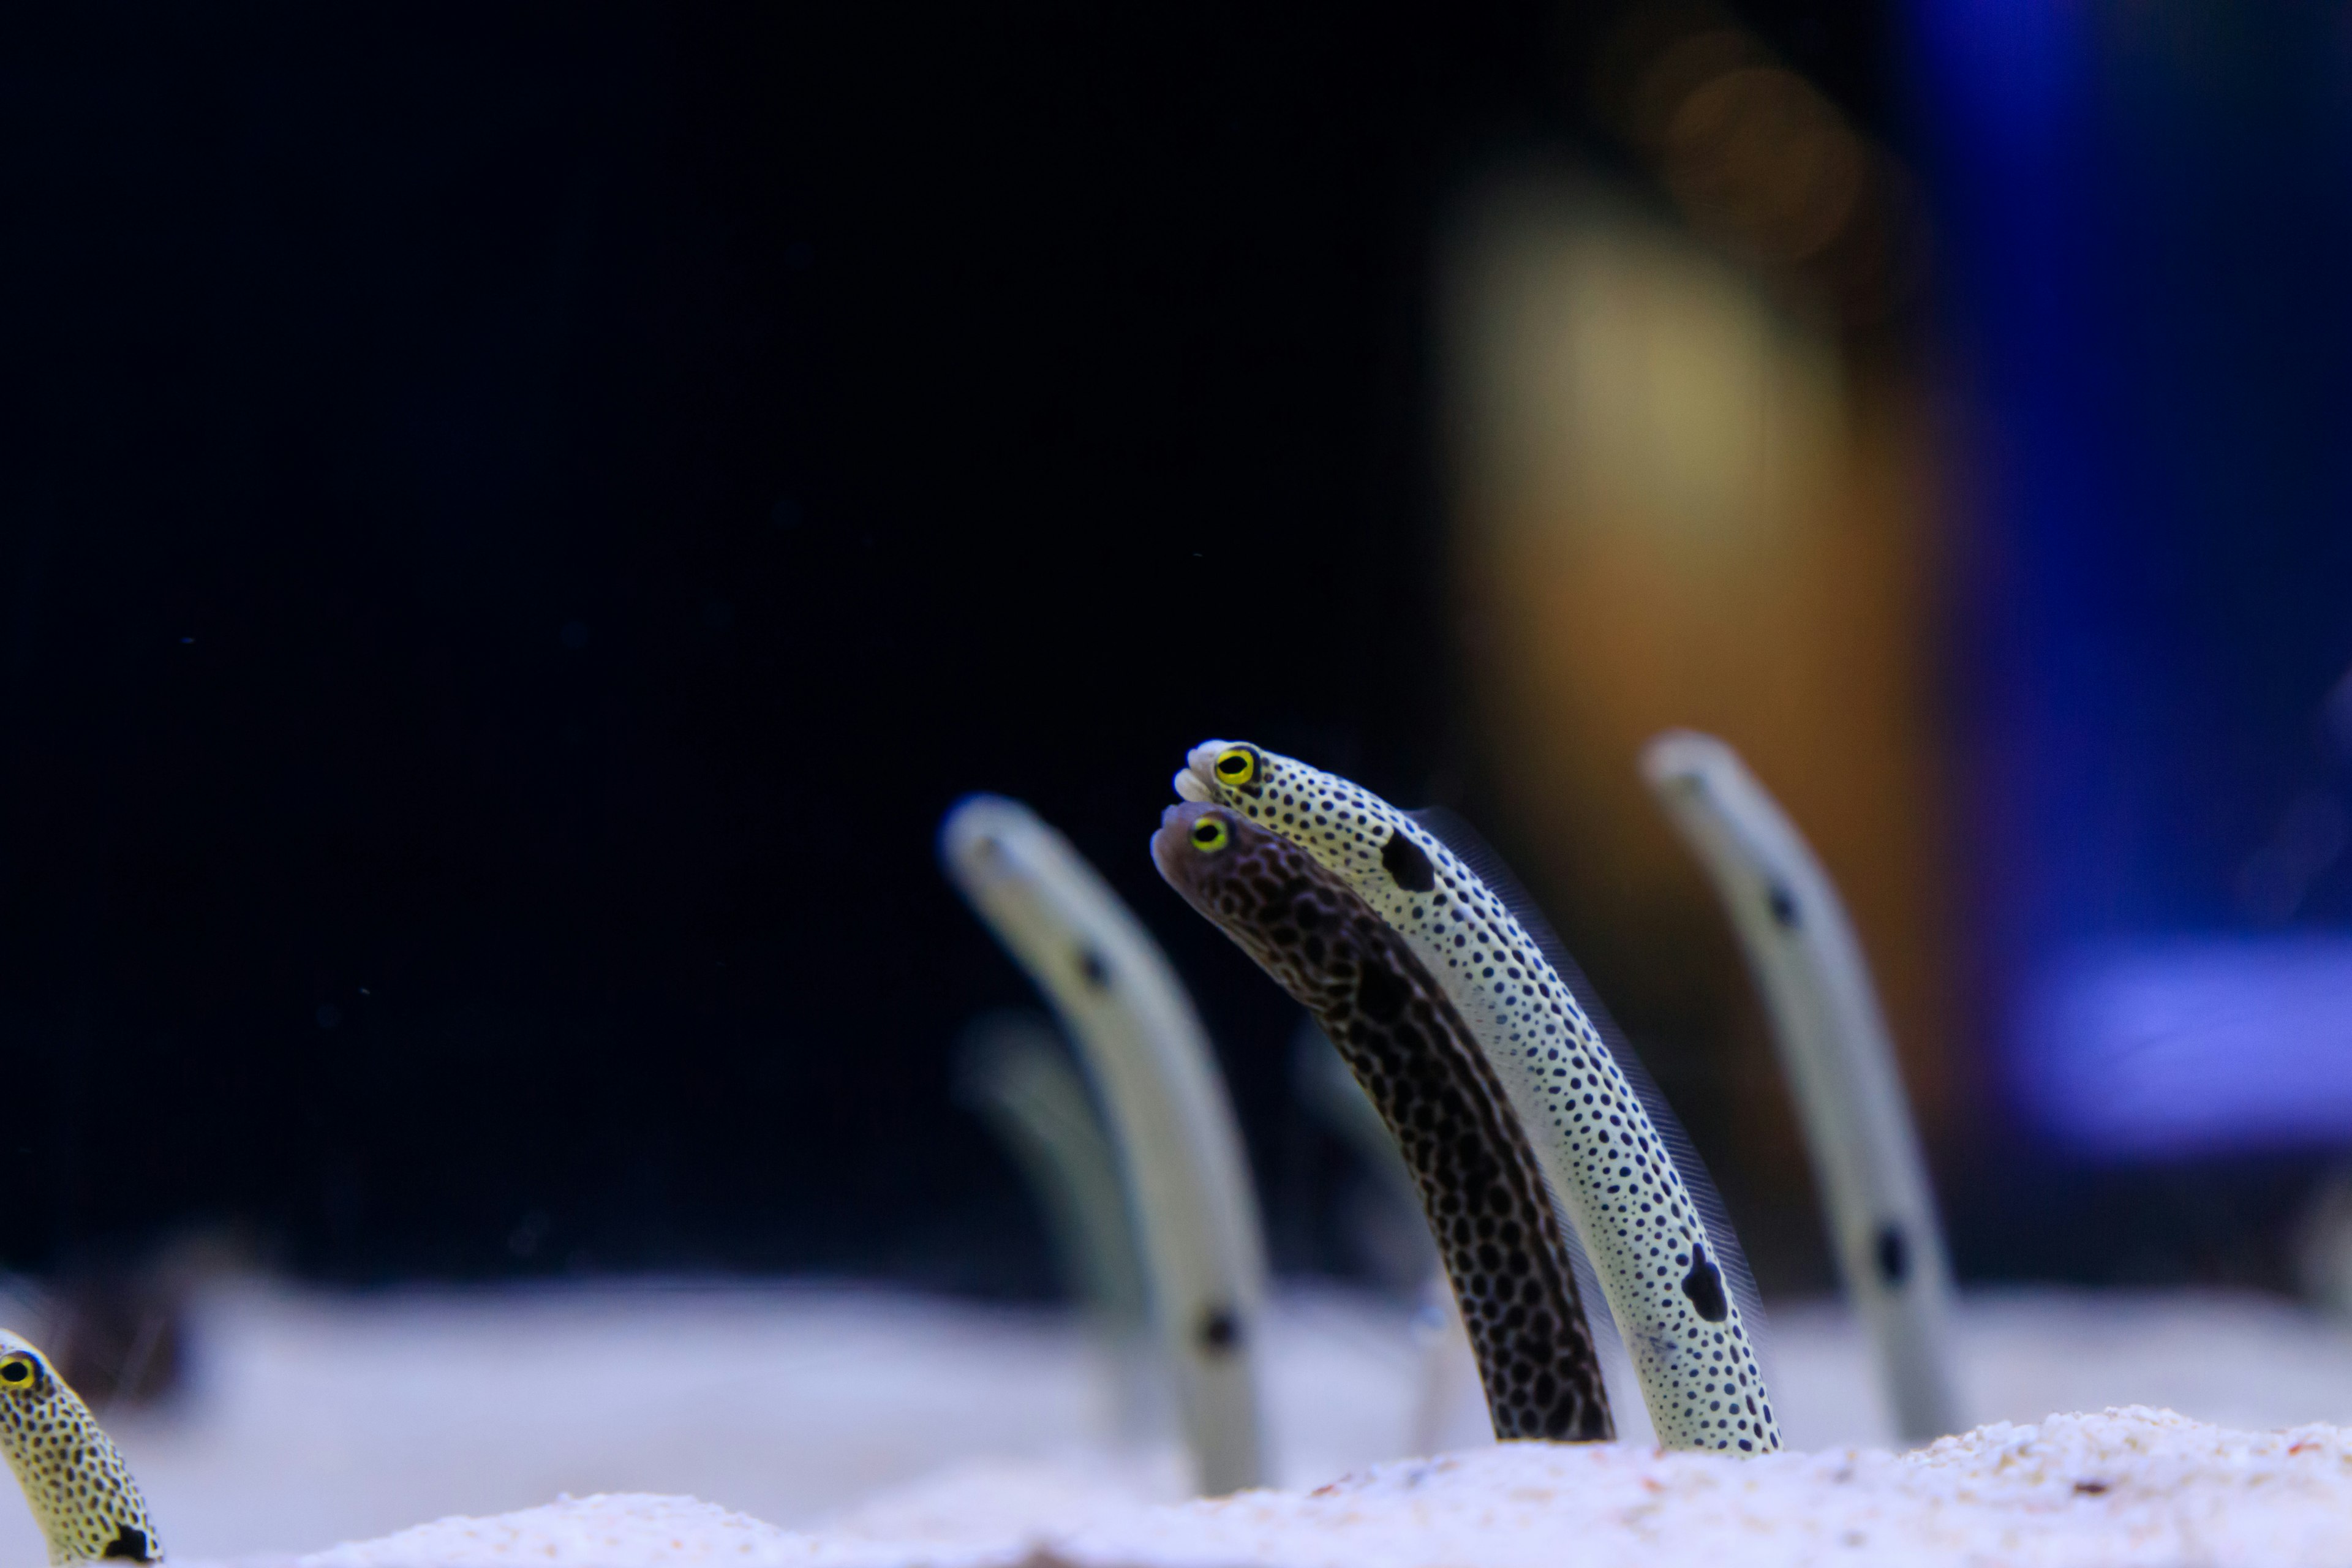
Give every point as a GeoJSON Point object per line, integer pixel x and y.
{"type": "Point", "coordinates": [1703, 1286]}
{"type": "Point", "coordinates": [1603, 1154]}
{"type": "Point", "coordinates": [1893, 1254]}
{"type": "Point", "coordinates": [1480, 1185]}
{"type": "Point", "coordinates": [73, 1477]}
{"type": "Point", "coordinates": [1403, 859]}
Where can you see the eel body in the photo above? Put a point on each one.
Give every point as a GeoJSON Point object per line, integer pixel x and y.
{"type": "Point", "coordinates": [1179, 1151]}
{"type": "Point", "coordinates": [1478, 1179]}
{"type": "Point", "coordinates": [73, 1477]}
{"type": "Point", "coordinates": [1013, 1070]}
{"type": "Point", "coordinates": [1016, 1072]}
{"type": "Point", "coordinates": [1658, 1239]}
{"type": "Point", "coordinates": [1840, 1063]}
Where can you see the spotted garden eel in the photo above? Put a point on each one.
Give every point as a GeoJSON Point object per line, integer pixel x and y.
{"type": "Point", "coordinates": [1478, 1181]}
{"type": "Point", "coordinates": [1187, 1184]}
{"type": "Point", "coordinates": [1656, 1236]}
{"type": "Point", "coordinates": [74, 1479]}
{"type": "Point", "coordinates": [1834, 1049]}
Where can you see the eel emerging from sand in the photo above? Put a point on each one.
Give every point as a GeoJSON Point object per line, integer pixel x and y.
{"type": "Point", "coordinates": [1840, 1064]}
{"type": "Point", "coordinates": [1479, 1182]}
{"type": "Point", "coordinates": [75, 1481]}
{"type": "Point", "coordinates": [1156, 1079]}
{"type": "Point", "coordinates": [1601, 1135]}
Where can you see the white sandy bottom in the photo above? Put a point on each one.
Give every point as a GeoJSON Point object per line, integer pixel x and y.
{"type": "Point", "coordinates": [864, 1417]}
{"type": "Point", "coordinates": [2128, 1487]}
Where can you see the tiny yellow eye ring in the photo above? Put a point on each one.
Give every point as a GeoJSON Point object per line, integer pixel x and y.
{"type": "Point", "coordinates": [1209, 834]}
{"type": "Point", "coordinates": [1236, 765]}
{"type": "Point", "coordinates": [18, 1371]}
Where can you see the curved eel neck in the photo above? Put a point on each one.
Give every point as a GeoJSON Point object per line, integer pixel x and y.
{"type": "Point", "coordinates": [1496, 1230]}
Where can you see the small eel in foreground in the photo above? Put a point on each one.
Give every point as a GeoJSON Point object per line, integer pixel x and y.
{"type": "Point", "coordinates": [74, 1479]}
{"type": "Point", "coordinates": [1835, 1050]}
{"type": "Point", "coordinates": [1188, 1186]}
{"type": "Point", "coordinates": [1608, 1147]}
{"type": "Point", "coordinates": [1496, 1231]}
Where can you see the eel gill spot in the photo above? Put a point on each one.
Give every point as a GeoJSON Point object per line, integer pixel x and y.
{"type": "Point", "coordinates": [1221, 1331]}
{"type": "Point", "coordinates": [1091, 965]}
{"type": "Point", "coordinates": [1783, 905]}
{"type": "Point", "coordinates": [128, 1545]}
{"type": "Point", "coordinates": [1408, 863]}
{"type": "Point", "coordinates": [1703, 1286]}
{"type": "Point", "coordinates": [1893, 1254]}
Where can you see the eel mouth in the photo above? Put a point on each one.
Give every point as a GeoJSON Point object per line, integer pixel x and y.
{"type": "Point", "coordinates": [1196, 780]}
{"type": "Point", "coordinates": [1164, 842]}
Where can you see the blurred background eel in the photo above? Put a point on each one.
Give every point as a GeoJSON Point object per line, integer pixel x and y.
{"type": "Point", "coordinates": [1187, 1184]}
{"type": "Point", "coordinates": [1840, 1064]}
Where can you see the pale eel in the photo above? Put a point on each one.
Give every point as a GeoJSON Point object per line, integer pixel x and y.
{"type": "Point", "coordinates": [1179, 1151]}
{"type": "Point", "coordinates": [1016, 1072]}
{"type": "Point", "coordinates": [1478, 1179]}
{"type": "Point", "coordinates": [74, 1479]}
{"type": "Point", "coordinates": [1656, 1236]}
{"type": "Point", "coordinates": [1835, 1050]}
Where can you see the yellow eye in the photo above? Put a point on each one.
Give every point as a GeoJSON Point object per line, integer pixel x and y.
{"type": "Point", "coordinates": [1209, 834]}
{"type": "Point", "coordinates": [1236, 765]}
{"type": "Point", "coordinates": [18, 1371]}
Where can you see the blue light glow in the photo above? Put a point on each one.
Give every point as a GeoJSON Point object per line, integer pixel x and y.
{"type": "Point", "coordinates": [2193, 1046]}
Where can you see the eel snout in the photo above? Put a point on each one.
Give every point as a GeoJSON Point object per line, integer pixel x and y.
{"type": "Point", "coordinates": [1194, 779]}
{"type": "Point", "coordinates": [1171, 848]}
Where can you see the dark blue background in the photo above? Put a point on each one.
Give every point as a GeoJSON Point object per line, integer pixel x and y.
{"type": "Point", "coordinates": [518, 520]}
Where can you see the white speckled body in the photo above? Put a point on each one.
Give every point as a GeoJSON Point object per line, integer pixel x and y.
{"type": "Point", "coordinates": [1647, 1240]}
{"type": "Point", "coordinates": [75, 1481]}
